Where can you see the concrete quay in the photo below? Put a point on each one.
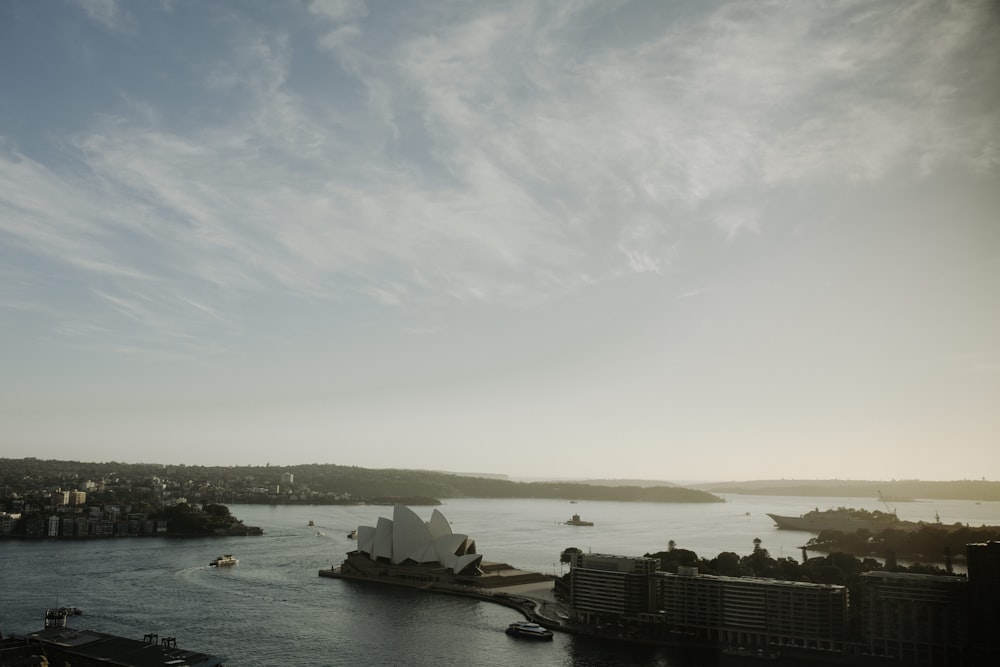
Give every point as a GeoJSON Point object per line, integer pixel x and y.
{"type": "Point", "coordinates": [530, 593]}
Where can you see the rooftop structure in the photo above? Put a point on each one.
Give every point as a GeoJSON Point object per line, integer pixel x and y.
{"type": "Point", "coordinates": [58, 644]}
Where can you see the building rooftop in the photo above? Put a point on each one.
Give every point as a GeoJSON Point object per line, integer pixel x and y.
{"type": "Point", "coordinates": [119, 651]}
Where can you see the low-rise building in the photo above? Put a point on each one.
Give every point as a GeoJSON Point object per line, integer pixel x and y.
{"type": "Point", "coordinates": [756, 612]}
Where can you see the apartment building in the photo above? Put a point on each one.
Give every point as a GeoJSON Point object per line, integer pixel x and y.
{"type": "Point", "coordinates": [918, 619]}
{"type": "Point", "coordinates": [755, 612]}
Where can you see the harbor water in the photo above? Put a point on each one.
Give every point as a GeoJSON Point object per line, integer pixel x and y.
{"type": "Point", "coordinates": [274, 609]}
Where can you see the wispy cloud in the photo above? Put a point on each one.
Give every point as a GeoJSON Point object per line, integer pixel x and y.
{"type": "Point", "coordinates": [496, 153]}
{"type": "Point", "coordinates": [108, 13]}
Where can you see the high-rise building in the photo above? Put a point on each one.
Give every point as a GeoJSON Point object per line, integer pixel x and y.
{"type": "Point", "coordinates": [983, 563]}
{"type": "Point", "coordinates": [920, 619]}
{"type": "Point", "coordinates": [618, 589]}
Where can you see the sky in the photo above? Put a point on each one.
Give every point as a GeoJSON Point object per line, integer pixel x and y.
{"type": "Point", "coordinates": [655, 240]}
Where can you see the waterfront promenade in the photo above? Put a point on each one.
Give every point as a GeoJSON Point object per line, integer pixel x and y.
{"type": "Point", "coordinates": [530, 593]}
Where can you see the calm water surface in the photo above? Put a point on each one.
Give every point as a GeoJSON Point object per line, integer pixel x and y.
{"type": "Point", "coordinates": [273, 609]}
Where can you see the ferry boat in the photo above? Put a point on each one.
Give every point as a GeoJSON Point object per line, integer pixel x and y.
{"type": "Point", "coordinates": [526, 630]}
{"type": "Point", "coordinates": [224, 561]}
{"type": "Point", "coordinates": [759, 654]}
{"type": "Point", "coordinates": [576, 521]}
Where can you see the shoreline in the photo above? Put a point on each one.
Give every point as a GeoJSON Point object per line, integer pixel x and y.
{"type": "Point", "coordinates": [535, 598]}
{"type": "Point", "coordinates": [536, 601]}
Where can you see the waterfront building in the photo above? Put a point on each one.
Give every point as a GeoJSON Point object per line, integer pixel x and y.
{"type": "Point", "coordinates": [60, 645]}
{"type": "Point", "coordinates": [983, 567]}
{"type": "Point", "coordinates": [613, 589]}
{"type": "Point", "coordinates": [755, 612]}
{"type": "Point", "coordinates": [919, 619]}
{"type": "Point", "coordinates": [408, 549]}
{"type": "Point", "coordinates": [7, 522]}
{"type": "Point", "coordinates": [633, 597]}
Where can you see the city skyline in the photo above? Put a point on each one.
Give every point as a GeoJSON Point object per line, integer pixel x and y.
{"type": "Point", "coordinates": [679, 241]}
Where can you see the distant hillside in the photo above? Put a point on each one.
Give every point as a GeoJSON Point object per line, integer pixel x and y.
{"type": "Point", "coordinates": [344, 481]}
{"type": "Point", "coordinates": [895, 490]}
{"type": "Point", "coordinates": [626, 482]}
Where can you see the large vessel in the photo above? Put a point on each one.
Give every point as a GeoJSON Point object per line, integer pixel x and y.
{"type": "Point", "coordinates": [844, 519]}
{"type": "Point", "coordinates": [224, 561]}
{"type": "Point", "coordinates": [527, 630]}
{"type": "Point", "coordinates": [576, 521]}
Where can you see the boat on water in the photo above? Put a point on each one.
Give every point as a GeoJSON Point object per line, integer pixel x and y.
{"type": "Point", "coordinates": [576, 521]}
{"type": "Point", "coordinates": [526, 630]}
{"type": "Point", "coordinates": [311, 523]}
{"type": "Point", "coordinates": [224, 561]}
{"type": "Point", "coordinates": [844, 519]}
{"type": "Point", "coordinates": [353, 535]}
{"type": "Point", "coordinates": [758, 654]}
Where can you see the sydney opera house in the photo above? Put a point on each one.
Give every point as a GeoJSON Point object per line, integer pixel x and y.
{"type": "Point", "coordinates": [406, 547]}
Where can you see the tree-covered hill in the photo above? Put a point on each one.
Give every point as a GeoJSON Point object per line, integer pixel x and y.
{"type": "Point", "coordinates": [345, 482]}
{"type": "Point", "coordinates": [893, 490]}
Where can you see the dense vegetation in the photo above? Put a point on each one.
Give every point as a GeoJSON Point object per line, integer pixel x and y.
{"type": "Point", "coordinates": [227, 484]}
{"type": "Point", "coordinates": [932, 542]}
{"type": "Point", "coordinates": [186, 521]}
{"type": "Point", "coordinates": [837, 568]}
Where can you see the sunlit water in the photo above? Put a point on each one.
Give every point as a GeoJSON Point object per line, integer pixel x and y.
{"type": "Point", "coordinates": [273, 609]}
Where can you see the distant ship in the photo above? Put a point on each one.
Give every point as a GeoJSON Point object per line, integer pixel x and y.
{"type": "Point", "coordinates": [224, 561]}
{"type": "Point", "coordinates": [575, 521]}
{"type": "Point", "coordinates": [844, 519]}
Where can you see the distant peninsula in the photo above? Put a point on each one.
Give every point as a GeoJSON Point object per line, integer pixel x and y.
{"type": "Point", "coordinates": [312, 484]}
{"type": "Point", "coordinates": [891, 491]}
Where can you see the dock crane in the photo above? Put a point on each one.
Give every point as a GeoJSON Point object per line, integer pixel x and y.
{"type": "Point", "coordinates": [889, 509]}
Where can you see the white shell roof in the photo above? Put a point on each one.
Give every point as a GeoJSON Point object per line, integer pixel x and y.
{"type": "Point", "coordinates": [406, 538]}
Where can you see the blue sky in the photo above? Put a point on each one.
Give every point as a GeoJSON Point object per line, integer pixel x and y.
{"type": "Point", "coordinates": [688, 240]}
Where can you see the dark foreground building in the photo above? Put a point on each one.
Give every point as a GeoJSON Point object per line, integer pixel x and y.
{"type": "Point", "coordinates": [60, 646]}
{"type": "Point", "coordinates": [983, 560]}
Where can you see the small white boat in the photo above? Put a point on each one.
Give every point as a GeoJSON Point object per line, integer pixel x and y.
{"type": "Point", "coordinates": [353, 535]}
{"type": "Point", "coordinates": [527, 630]}
{"type": "Point", "coordinates": [224, 561]}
